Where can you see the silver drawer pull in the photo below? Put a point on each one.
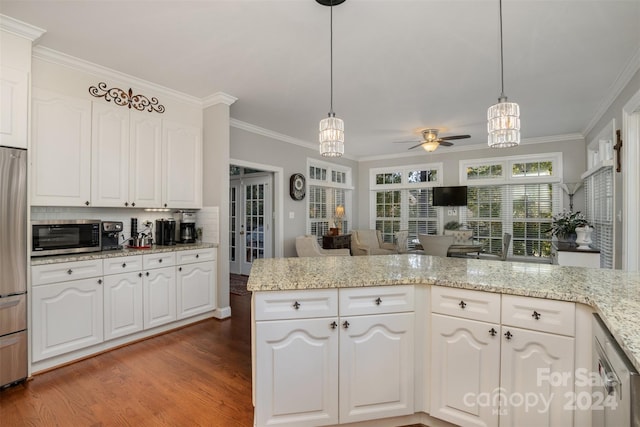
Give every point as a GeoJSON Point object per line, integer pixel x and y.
{"type": "Point", "coordinates": [7, 304]}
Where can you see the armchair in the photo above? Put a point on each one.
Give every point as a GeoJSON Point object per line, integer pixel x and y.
{"type": "Point", "coordinates": [307, 246]}
{"type": "Point", "coordinates": [369, 242]}
{"type": "Point", "coordinates": [435, 245]}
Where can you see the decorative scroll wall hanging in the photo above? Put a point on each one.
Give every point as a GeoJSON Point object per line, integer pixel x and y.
{"type": "Point", "coordinates": [126, 99]}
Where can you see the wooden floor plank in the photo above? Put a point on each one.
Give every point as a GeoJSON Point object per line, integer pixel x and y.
{"type": "Point", "coordinates": [196, 376]}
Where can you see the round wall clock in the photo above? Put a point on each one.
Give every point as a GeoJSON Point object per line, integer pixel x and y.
{"type": "Point", "coordinates": [297, 186]}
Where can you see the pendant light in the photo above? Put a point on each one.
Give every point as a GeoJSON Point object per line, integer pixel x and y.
{"type": "Point", "coordinates": [503, 118]}
{"type": "Point", "coordinates": [332, 128]}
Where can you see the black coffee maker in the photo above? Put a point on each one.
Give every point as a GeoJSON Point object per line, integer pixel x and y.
{"type": "Point", "coordinates": [111, 235]}
{"type": "Point", "coordinates": [187, 227]}
{"type": "Point", "coordinates": [165, 232]}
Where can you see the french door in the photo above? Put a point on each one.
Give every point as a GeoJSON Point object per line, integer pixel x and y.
{"type": "Point", "coordinates": [250, 222]}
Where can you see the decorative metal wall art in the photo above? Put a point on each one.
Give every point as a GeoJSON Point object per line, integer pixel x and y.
{"type": "Point", "coordinates": [126, 99]}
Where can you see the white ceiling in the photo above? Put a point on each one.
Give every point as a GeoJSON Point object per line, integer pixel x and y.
{"type": "Point", "coordinates": [399, 65]}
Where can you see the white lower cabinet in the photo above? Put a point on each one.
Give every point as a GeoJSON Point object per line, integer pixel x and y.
{"type": "Point", "coordinates": [484, 373]}
{"type": "Point", "coordinates": [319, 366]}
{"type": "Point", "coordinates": [297, 372]}
{"type": "Point", "coordinates": [78, 304]}
{"type": "Point", "coordinates": [376, 366]}
{"type": "Point", "coordinates": [122, 304]}
{"type": "Point", "coordinates": [66, 316]}
{"type": "Point", "coordinates": [465, 365]}
{"type": "Point", "coordinates": [159, 290]}
{"type": "Point", "coordinates": [531, 368]}
{"type": "Point", "coordinates": [195, 282]}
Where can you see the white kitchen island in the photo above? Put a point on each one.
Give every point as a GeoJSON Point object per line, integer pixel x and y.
{"type": "Point", "coordinates": [399, 339]}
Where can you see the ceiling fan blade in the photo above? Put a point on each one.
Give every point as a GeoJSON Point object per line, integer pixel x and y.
{"type": "Point", "coordinates": [416, 146]}
{"type": "Point", "coordinates": [448, 138]}
{"type": "Point", "coordinates": [404, 142]}
{"type": "Point", "coordinates": [446, 143]}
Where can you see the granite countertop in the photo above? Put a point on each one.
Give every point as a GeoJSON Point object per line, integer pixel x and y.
{"type": "Point", "coordinates": [614, 293]}
{"type": "Point", "coordinates": [119, 253]}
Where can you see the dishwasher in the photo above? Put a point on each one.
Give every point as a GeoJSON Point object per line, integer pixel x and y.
{"type": "Point", "coordinates": [616, 393]}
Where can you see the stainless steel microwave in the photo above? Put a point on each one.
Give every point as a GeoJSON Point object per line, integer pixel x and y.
{"type": "Point", "coordinates": [56, 237]}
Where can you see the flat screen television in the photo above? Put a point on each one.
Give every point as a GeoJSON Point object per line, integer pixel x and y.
{"type": "Point", "coordinates": [450, 196]}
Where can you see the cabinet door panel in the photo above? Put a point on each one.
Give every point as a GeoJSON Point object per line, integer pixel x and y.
{"type": "Point", "coordinates": [195, 289]}
{"type": "Point", "coordinates": [66, 316]}
{"type": "Point", "coordinates": [465, 365]}
{"type": "Point", "coordinates": [297, 372]}
{"type": "Point", "coordinates": [528, 361]}
{"type": "Point", "coordinates": [145, 165]}
{"type": "Point", "coordinates": [159, 292]}
{"type": "Point", "coordinates": [13, 104]}
{"type": "Point", "coordinates": [376, 366]}
{"type": "Point", "coordinates": [182, 171]}
{"type": "Point", "coordinates": [109, 155]}
{"type": "Point", "coordinates": [122, 304]}
{"type": "Point", "coordinates": [61, 150]}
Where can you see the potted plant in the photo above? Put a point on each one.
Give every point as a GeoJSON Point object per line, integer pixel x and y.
{"type": "Point", "coordinates": [563, 225]}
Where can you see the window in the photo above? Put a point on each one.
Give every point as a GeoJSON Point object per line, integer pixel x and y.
{"type": "Point", "coordinates": [521, 202]}
{"type": "Point", "coordinates": [599, 202]}
{"type": "Point", "coordinates": [329, 186]}
{"type": "Point", "coordinates": [403, 200]}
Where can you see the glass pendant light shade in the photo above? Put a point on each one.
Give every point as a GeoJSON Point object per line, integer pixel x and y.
{"type": "Point", "coordinates": [503, 124]}
{"type": "Point", "coordinates": [331, 136]}
{"type": "Point", "coordinates": [430, 146]}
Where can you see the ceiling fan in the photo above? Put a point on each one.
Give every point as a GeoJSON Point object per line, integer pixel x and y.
{"type": "Point", "coordinates": [430, 140]}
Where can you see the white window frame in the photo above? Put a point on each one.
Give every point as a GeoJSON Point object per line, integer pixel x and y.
{"type": "Point", "coordinates": [403, 185]}
{"type": "Point", "coordinates": [507, 177]}
{"type": "Point", "coordinates": [328, 183]}
{"type": "Point", "coordinates": [507, 167]}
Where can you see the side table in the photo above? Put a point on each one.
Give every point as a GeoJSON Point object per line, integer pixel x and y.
{"type": "Point", "coordinates": [342, 241]}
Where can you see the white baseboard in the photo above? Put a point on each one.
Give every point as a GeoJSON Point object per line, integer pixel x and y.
{"type": "Point", "coordinates": [222, 313]}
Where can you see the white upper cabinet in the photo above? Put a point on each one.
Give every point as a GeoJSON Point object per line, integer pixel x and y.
{"type": "Point", "coordinates": [126, 149]}
{"type": "Point", "coordinates": [109, 155]}
{"type": "Point", "coordinates": [61, 150]}
{"type": "Point", "coordinates": [13, 107]}
{"type": "Point", "coordinates": [145, 166]}
{"type": "Point", "coordinates": [182, 166]}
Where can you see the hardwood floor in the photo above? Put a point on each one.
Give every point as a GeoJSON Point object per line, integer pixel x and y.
{"type": "Point", "coordinates": [197, 376]}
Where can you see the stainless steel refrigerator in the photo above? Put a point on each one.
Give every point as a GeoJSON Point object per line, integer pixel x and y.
{"type": "Point", "coordinates": [13, 265]}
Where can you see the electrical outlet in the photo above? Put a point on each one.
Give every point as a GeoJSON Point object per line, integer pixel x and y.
{"type": "Point", "coordinates": [452, 212]}
{"type": "Point", "coordinates": [292, 215]}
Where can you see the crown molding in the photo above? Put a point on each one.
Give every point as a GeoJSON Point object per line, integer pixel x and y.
{"type": "Point", "coordinates": [218, 98]}
{"type": "Point", "coordinates": [21, 29]}
{"type": "Point", "coordinates": [59, 58]}
{"type": "Point", "coordinates": [475, 147]}
{"type": "Point", "coordinates": [615, 90]}
{"type": "Point", "coordinates": [277, 136]}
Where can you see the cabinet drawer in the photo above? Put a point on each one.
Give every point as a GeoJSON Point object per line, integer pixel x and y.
{"type": "Point", "coordinates": [195, 255]}
{"type": "Point", "coordinates": [474, 305]}
{"type": "Point", "coordinates": [62, 272]}
{"type": "Point", "coordinates": [538, 314]}
{"type": "Point", "coordinates": [295, 304]}
{"type": "Point", "coordinates": [376, 300]}
{"type": "Point", "coordinates": [125, 264]}
{"type": "Point", "coordinates": [162, 259]}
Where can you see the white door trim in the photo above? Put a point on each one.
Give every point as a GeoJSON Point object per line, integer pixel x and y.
{"type": "Point", "coordinates": [631, 183]}
{"type": "Point", "coordinates": [278, 201]}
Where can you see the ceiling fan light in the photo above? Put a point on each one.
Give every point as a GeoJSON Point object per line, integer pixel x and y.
{"type": "Point", "coordinates": [331, 137]}
{"type": "Point", "coordinates": [430, 146]}
{"type": "Point", "coordinates": [503, 124]}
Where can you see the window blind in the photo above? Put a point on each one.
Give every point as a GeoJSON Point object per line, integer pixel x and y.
{"type": "Point", "coordinates": [599, 212]}
{"type": "Point", "coordinates": [522, 210]}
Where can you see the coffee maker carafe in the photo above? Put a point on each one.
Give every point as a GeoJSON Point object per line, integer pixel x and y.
{"type": "Point", "coordinates": [187, 227]}
{"type": "Point", "coordinates": [165, 232]}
